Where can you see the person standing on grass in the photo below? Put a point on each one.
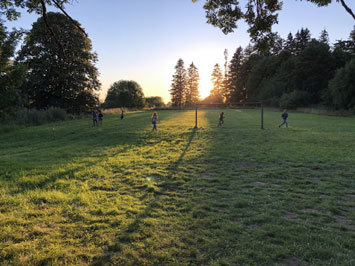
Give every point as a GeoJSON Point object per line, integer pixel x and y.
{"type": "Point", "coordinates": [154, 121]}
{"type": "Point", "coordinates": [94, 117]}
{"type": "Point", "coordinates": [101, 116]}
{"type": "Point", "coordinates": [221, 119]}
{"type": "Point", "coordinates": [284, 117]}
{"type": "Point", "coordinates": [122, 112]}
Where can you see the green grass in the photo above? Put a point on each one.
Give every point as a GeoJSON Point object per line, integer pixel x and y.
{"type": "Point", "coordinates": [120, 194]}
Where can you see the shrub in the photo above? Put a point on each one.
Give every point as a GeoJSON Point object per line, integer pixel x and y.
{"type": "Point", "coordinates": [35, 117]}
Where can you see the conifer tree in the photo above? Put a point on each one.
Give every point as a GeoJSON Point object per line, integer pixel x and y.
{"type": "Point", "coordinates": [193, 78]}
{"type": "Point", "coordinates": [234, 73]}
{"type": "Point", "coordinates": [178, 86]}
{"type": "Point", "coordinates": [226, 88]}
{"type": "Point", "coordinates": [290, 44]}
{"type": "Point", "coordinates": [217, 80]}
{"type": "Point", "coordinates": [324, 37]}
{"type": "Point", "coordinates": [302, 39]}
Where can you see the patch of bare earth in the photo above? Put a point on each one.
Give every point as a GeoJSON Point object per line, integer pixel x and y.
{"type": "Point", "coordinates": [207, 175]}
{"type": "Point", "coordinates": [349, 197]}
{"type": "Point", "coordinates": [343, 222]}
{"type": "Point", "coordinates": [261, 173]}
{"type": "Point", "coordinates": [252, 226]}
{"type": "Point", "coordinates": [292, 261]}
{"type": "Point", "coordinates": [257, 183]}
{"type": "Point", "coordinates": [292, 217]}
{"type": "Point", "coordinates": [224, 191]}
{"type": "Point", "coordinates": [316, 179]}
{"type": "Point", "coordinates": [312, 210]}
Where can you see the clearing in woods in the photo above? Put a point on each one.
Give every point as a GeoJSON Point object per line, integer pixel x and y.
{"type": "Point", "coordinates": [73, 194]}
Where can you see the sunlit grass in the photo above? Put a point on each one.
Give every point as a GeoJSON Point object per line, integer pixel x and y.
{"type": "Point", "coordinates": [72, 194]}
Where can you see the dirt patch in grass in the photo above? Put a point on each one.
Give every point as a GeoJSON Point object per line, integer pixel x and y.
{"type": "Point", "coordinates": [257, 183]}
{"type": "Point", "coordinates": [276, 185]}
{"type": "Point", "coordinates": [323, 196]}
{"type": "Point", "coordinates": [292, 217]}
{"type": "Point", "coordinates": [317, 180]}
{"type": "Point", "coordinates": [224, 191]}
{"type": "Point", "coordinates": [253, 226]}
{"type": "Point", "coordinates": [343, 222]}
{"type": "Point", "coordinates": [311, 210]}
{"type": "Point", "coordinates": [349, 197]}
{"type": "Point", "coordinates": [207, 175]}
{"type": "Point", "coordinates": [261, 173]}
{"type": "Point", "coordinates": [292, 261]}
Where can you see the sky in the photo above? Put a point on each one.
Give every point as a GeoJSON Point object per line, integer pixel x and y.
{"type": "Point", "coordinates": [142, 40]}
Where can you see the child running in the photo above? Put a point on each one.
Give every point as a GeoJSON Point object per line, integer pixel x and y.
{"type": "Point", "coordinates": [284, 117]}
{"type": "Point", "coordinates": [154, 121]}
{"type": "Point", "coordinates": [221, 119]}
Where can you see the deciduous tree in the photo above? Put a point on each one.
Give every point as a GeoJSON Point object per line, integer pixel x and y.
{"type": "Point", "coordinates": [260, 15]}
{"type": "Point", "coordinates": [125, 93]}
{"type": "Point", "coordinates": [11, 76]}
{"type": "Point", "coordinates": [52, 78]}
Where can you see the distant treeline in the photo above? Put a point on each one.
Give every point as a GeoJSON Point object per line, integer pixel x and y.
{"type": "Point", "coordinates": [297, 72]}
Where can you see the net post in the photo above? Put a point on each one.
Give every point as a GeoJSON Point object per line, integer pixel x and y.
{"type": "Point", "coordinates": [195, 116]}
{"type": "Point", "coordinates": [262, 116]}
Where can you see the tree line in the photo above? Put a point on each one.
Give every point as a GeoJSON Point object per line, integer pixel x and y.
{"type": "Point", "coordinates": [297, 72]}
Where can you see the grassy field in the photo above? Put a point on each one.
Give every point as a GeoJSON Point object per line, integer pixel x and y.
{"type": "Point", "coordinates": [73, 194]}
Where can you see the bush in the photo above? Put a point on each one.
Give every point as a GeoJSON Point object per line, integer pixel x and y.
{"type": "Point", "coordinates": [35, 117]}
{"type": "Point", "coordinates": [56, 114]}
{"type": "Point", "coordinates": [295, 99]}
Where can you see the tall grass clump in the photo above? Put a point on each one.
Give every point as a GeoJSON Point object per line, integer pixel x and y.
{"type": "Point", "coordinates": [35, 117]}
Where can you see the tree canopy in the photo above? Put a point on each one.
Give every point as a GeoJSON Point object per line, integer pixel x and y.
{"type": "Point", "coordinates": [125, 93]}
{"type": "Point", "coordinates": [53, 79]}
{"type": "Point", "coordinates": [260, 15]}
{"type": "Point", "coordinates": [11, 76]}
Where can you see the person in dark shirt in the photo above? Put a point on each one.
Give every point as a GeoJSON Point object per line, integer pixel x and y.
{"type": "Point", "coordinates": [101, 116]}
{"type": "Point", "coordinates": [122, 112]}
{"type": "Point", "coordinates": [284, 117]}
{"type": "Point", "coordinates": [221, 119]}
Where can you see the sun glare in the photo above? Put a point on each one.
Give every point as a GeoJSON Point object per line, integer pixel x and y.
{"type": "Point", "coordinates": [205, 87]}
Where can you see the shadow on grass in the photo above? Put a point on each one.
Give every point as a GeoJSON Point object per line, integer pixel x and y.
{"type": "Point", "coordinates": [176, 164]}
{"type": "Point", "coordinates": [71, 148]}
{"type": "Point", "coordinates": [127, 235]}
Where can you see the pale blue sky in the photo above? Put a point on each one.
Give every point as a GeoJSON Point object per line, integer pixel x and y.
{"type": "Point", "coordinates": [142, 40]}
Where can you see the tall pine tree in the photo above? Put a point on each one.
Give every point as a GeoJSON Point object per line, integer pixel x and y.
{"type": "Point", "coordinates": [178, 86]}
{"type": "Point", "coordinates": [302, 39]}
{"type": "Point", "coordinates": [234, 75]}
{"type": "Point", "coordinates": [217, 81]}
{"type": "Point", "coordinates": [193, 78]}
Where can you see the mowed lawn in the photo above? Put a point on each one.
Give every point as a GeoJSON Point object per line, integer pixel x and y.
{"type": "Point", "coordinates": [120, 194]}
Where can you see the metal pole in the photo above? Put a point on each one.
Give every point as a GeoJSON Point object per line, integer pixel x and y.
{"type": "Point", "coordinates": [262, 116]}
{"type": "Point", "coordinates": [195, 115]}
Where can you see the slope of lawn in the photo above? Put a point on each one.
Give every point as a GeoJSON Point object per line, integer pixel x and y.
{"type": "Point", "coordinates": [120, 194]}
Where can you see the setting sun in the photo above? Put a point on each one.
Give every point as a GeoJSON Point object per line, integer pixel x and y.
{"type": "Point", "coordinates": [205, 87]}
